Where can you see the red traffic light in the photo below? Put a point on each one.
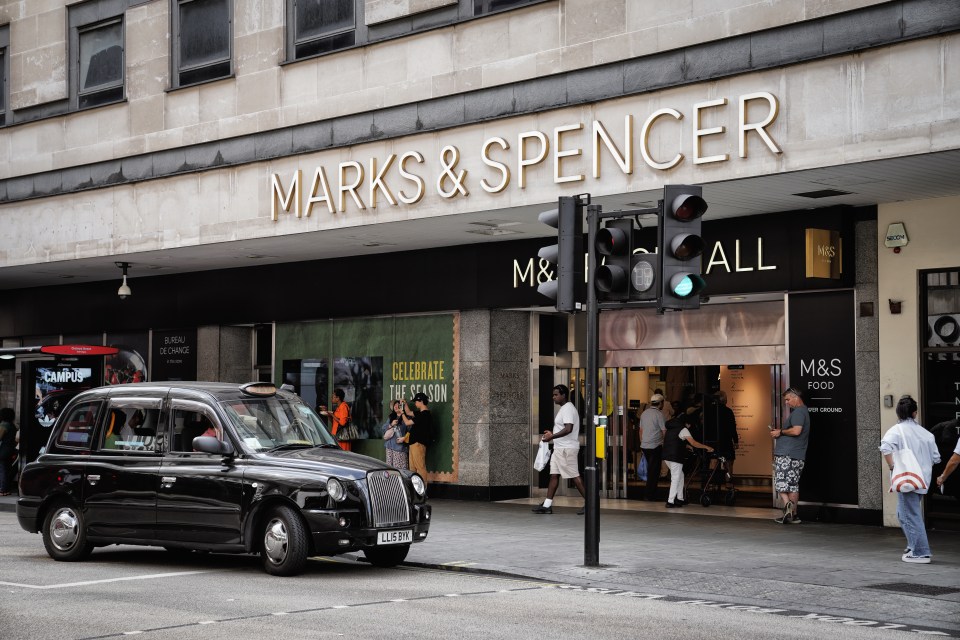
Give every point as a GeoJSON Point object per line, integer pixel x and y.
{"type": "Point", "coordinates": [688, 207]}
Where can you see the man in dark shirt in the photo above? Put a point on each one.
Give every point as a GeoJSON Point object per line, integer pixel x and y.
{"type": "Point", "coordinates": [419, 434]}
{"type": "Point", "coordinates": [789, 454]}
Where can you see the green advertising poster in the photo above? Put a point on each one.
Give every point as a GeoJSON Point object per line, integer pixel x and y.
{"type": "Point", "coordinates": [374, 361]}
{"type": "Point", "coordinates": [425, 360]}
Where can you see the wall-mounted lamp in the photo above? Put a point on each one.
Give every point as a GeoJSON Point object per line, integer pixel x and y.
{"type": "Point", "coordinates": [895, 306]}
{"type": "Point", "coordinates": [124, 289]}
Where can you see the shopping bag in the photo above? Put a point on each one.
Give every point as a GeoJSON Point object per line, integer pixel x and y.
{"type": "Point", "coordinates": [907, 475]}
{"type": "Point", "coordinates": [642, 469]}
{"type": "Point", "coordinates": [543, 457]}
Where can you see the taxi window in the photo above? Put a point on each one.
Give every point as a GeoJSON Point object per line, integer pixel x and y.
{"type": "Point", "coordinates": [129, 427]}
{"type": "Point", "coordinates": [77, 430]}
{"type": "Point", "coordinates": [189, 424]}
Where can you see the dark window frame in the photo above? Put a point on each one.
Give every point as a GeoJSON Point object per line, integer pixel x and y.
{"type": "Point", "coordinates": [925, 333]}
{"type": "Point", "coordinates": [86, 17]}
{"type": "Point", "coordinates": [192, 75]}
{"type": "Point", "coordinates": [461, 11]}
{"type": "Point", "coordinates": [4, 74]}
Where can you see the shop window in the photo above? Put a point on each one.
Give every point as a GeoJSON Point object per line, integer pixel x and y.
{"type": "Point", "coordinates": [940, 339]}
{"type": "Point", "coordinates": [203, 42]}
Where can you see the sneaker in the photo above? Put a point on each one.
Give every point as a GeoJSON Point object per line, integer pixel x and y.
{"type": "Point", "coordinates": [907, 557]}
{"type": "Point", "coordinates": [542, 509]}
{"type": "Point", "coordinates": [794, 519]}
{"type": "Point", "coordinates": [679, 502]}
{"type": "Point", "coordinates": [582, 510]}
{"type": "Point", "coordinates": [670, 505]}
{"type": "Point", "coordinates": [784, 519]}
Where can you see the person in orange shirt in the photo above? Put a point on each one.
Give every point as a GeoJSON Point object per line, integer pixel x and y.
{"type": "Point", "coordinates": [339, 417]}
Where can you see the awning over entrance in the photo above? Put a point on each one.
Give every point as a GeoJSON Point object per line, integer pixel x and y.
{"type": "Point", "coordinates": [746, 333]}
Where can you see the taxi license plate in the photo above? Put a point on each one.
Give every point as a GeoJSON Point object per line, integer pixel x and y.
{"type": "Point", "coordinates": [395, 537]}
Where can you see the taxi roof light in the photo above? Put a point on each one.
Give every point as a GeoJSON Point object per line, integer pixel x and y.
{"type": "Point", "coordinates": [259, 389]}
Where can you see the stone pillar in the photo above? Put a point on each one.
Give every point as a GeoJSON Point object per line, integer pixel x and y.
{"type": "Point", "coordinates": [494, 404]}
{"type": "Point", "coordinates": [225, 354]}
{"type": "Point", "coordinates": [869, 467]}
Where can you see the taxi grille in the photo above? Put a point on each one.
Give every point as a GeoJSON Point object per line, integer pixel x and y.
{"type": "Point", "coordinates": [388, 499]}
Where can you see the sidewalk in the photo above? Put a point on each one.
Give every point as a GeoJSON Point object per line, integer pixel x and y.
{"type": "Point", "coordinates": [829, 569]}
{"type": "Point", "coordinates": [694, 554]}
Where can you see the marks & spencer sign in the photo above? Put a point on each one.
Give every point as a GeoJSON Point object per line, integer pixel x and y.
{"type": "Point", "coordinates": [405, 178]}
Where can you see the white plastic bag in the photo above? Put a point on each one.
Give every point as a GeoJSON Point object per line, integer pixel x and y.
{"type": "Point", "coordinates": [543, 457]}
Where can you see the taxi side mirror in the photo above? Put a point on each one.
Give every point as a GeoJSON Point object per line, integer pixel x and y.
{"type": "Point", "coordinates": [210, 444]}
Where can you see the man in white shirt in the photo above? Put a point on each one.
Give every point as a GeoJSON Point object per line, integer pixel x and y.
{"type": "Point", "coordinates": [566, 445]}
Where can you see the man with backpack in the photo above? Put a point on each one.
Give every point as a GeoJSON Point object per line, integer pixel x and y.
{"type": "Point", "coordinates": [420, 433]}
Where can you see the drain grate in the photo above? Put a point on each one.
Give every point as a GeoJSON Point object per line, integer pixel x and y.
{"type": "Point", "coordinates": [911, 587]}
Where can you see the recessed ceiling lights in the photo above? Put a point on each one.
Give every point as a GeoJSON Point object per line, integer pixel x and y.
{"type": "Point", "coordinates": [823, 193]}
{"type": "Point", "coordinates": [496, 224]}
{"type": "Point", "coordinates": [493, 231]}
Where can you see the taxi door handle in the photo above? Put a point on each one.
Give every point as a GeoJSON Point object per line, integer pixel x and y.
{"type": "Point", "coordinates": [93, 479]}
{"type": "Point", "coordinates": [166, 482]}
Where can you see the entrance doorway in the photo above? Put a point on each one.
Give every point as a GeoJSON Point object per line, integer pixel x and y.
{"type": "Point", "coordinates": [750, 391]}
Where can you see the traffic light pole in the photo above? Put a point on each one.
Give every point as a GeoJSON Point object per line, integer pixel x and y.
{"type": "Point", "coordinates": [591, 538]}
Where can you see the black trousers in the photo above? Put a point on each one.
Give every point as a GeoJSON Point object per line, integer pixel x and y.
{"type": "Point", "coordinates": [654, 458]}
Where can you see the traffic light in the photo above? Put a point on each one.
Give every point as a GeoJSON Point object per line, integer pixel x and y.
{"type": "Point", "coordinates": [615, 244]}
{"type": "Point", "coordinates": [680, 246]}
{"type": "Point", "coordinates": [624, 275]}
{"type": "Point", "coordinates": [567, 289]}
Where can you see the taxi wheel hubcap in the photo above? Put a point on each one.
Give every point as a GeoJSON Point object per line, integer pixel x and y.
{"type": "Point", "coordinates": [275, 541]}
{"type": "Point", "coordinates": [64, 529]}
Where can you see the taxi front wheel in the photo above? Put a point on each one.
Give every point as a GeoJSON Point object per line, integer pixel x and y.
{"type": "Point", "coordinates": [284, 543]}
{"type": "Point", "coordinates": [65, 534]}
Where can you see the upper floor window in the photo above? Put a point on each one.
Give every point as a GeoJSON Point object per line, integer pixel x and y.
{"type": "Point", "coordinates": [322, 25]}
{"type": "Point", "coordinates": [4, 44]}
{"type": "Point", "coordinates": [481, 7]}
{"type": "Point", "coordinates": [96, 43]}
{"type": "Point", "coordinates": [101, 63]}
{"type": "Point", "coordinates": [316, 27]}
{"type": "Point", "coordinates": [204, 40]}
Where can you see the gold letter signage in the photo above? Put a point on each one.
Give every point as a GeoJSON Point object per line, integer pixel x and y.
{"type": "Point", "coordinates": [414, 173]}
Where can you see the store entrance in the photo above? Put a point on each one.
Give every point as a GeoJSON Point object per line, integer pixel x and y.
{"type": "Point", "coordinates": [750, 391]}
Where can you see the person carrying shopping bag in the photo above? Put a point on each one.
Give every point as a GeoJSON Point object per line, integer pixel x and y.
{"type": "Point", "coordinates": [910, 452]}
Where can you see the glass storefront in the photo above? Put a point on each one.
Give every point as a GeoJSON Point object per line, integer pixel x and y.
{"type": "Point", "coordinates": [940, 397]}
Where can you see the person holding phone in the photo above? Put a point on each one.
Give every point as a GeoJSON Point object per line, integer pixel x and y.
{"type": "Point", "coordinates": [394, 438]}
{"type": "Point", "coordinates": [789, 454]}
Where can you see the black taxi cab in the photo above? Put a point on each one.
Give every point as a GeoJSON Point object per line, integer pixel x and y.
{"type": "Point", "coordinates": [214, 467]}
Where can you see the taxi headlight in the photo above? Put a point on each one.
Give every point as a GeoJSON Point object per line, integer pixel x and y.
{"type": "Point", "coordinates": [418, 485]}
{"type": "Point", "coordinates": [336, 490]}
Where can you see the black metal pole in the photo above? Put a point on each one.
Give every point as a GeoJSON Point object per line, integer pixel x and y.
{"type": "Point", "coordinates": [591, 538]}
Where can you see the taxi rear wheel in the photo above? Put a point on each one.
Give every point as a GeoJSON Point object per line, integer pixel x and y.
{"type": "Point", "coordinates": [386, 556]}
{"type": "Point", "coordinates": [284, 544]}
{"type": "Point", "coordinates": [65, 534]}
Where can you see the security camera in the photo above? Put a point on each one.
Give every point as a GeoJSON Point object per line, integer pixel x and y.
{"type": "Point", "coordinates": [124, 291]}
